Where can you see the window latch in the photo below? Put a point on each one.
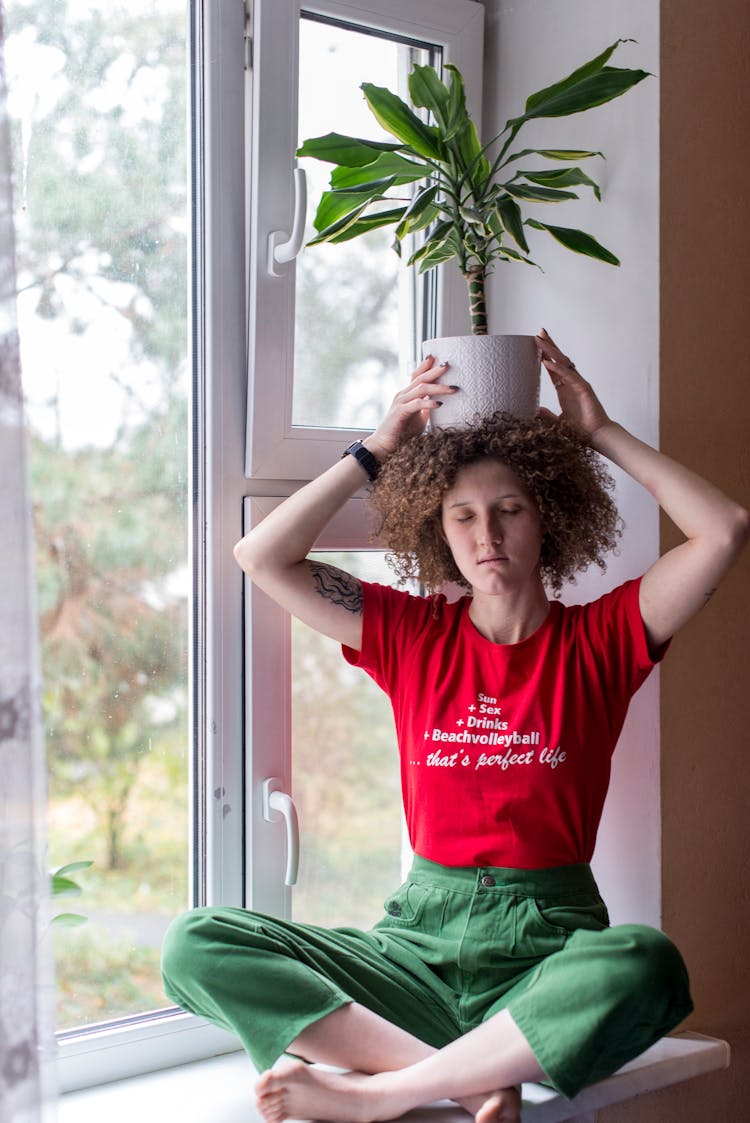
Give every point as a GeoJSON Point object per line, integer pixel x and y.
{"type": "Point", "coordinates": [284, 247]}
{"type": "Point", "coordinates": [278, 804]}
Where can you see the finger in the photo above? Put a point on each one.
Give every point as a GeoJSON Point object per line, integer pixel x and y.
{"type": "Point", "coordinates": [427, 362]}
{"type": "Point", "coordinates": [550, 351]}
{"type": "Point", "coordinates": [428, 373]}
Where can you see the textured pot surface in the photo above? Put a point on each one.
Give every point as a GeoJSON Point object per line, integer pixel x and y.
{"type": "Point", "coordinates": [493, 372]}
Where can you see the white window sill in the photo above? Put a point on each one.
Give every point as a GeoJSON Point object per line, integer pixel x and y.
{"type": "Point", "coordinates": [221, 1089]}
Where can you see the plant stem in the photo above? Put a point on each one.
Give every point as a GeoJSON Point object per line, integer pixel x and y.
{"type": "Point", "coordinates": [477, 307]}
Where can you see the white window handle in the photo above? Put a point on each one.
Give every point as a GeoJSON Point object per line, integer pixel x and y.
{"type": "Point", "coordinates": [283, 247]}
{"type": "Point", "coordinates": [279, 804]}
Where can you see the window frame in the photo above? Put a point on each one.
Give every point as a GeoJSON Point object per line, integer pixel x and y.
{"type": "Point", "coordinates": [229, 43]}
{"type": "Point", "coordinates": [275, 447]}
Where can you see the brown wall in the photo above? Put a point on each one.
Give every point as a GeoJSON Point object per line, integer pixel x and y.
{"type": "Point", "coordinates": [705, 421]}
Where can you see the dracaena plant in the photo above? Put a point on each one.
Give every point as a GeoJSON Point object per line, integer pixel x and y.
{"type": "Point", "coordinates": [471, 196]}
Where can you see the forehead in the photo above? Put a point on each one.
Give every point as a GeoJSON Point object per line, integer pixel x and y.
{"type": "Point", "coordinates": [485, 477]}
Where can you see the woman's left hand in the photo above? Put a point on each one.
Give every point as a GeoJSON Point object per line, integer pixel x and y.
{"type": "Point", "coordinates": [579, 404]}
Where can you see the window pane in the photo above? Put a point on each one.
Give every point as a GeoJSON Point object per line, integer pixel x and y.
{"type": "Point", "coordinates": [98, 99]}
{"type": "Point", "coordinates": [355, 309]}
{"type": "Point", "coordinates": [347, 784]}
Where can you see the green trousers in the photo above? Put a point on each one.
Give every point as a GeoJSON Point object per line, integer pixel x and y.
{"type": "Point", "coordinates": [455, 947]}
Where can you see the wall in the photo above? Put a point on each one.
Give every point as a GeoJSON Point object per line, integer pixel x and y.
{"type": "Point", "coordinates": [705, 409]}
{"type": "Point", "coordinates": [698, 304]}
{"type": "Point", "coordinates": [607, 319]}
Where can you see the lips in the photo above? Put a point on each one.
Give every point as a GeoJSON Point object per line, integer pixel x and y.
{"type": "Point", "coordinates": [494, 558]}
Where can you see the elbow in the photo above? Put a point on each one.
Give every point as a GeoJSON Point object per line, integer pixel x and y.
{"type": "Point", "coordinates": [741, 528]}
{"type": "Point", "coordinates": [244, 555]}
{"type": "Point", "coordinates": [736, 532]}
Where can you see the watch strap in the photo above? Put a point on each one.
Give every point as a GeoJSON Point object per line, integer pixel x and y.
{"type": "Point", "coordinates": [364, 457]}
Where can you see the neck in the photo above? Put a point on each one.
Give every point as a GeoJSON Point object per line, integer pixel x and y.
{"type": "Point", "coordinates": [510, 617]}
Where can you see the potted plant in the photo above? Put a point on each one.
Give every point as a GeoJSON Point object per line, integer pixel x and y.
{"type": "Point", "coordinates": [469, 204]}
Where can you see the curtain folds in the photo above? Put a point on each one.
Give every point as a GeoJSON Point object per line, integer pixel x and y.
{"type": "Point", "coordinates": [26, 983]}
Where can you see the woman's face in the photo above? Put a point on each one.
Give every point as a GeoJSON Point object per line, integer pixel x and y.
{"type": "Point", "coordinates": [492, 526]}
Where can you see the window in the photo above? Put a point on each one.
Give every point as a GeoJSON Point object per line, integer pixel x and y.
{"type": "Point", "coordinates": [293, 433]}
{"type": "Point", "coordinates": [322, 368]}
{"type": "Point", "coordinates": [135, 237]}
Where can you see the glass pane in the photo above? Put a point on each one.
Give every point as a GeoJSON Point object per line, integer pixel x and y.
{"type": "Point", "coordinates": [355, 308]}
{"type": "Point", "coordinates": [98, 100]}
{"type": "Point", "coordinates": [347, 785]}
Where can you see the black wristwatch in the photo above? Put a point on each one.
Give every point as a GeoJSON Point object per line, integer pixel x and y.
{"type": "Point", "coordinates": [364, 457]}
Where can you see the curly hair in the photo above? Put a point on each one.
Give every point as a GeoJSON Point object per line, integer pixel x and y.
{"type": "Point", "coordinates": [563, 474]}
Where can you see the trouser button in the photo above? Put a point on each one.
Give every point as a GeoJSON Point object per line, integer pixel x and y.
{"type": "Point", "coordinates": [488, 881]}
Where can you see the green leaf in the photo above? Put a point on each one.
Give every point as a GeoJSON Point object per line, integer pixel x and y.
{"type": "Point", "coordinates": [430, 215]}
{"type": "Point", "coordinates": [473, 216]}
{"type": "Point", "coordinates": [329, 232]}
{"type": "Point", "coordinates": [398, 119]}
{"type": "Point", "coordinates": [439, 234]}
{"type": "Point", "coordinates": [350, 151]}
{"type": "Point", "coordinates": [64, 887]}
{"type": "Point", "coordinates": [554, 154]}
{"type": "Point", "coordinates": [387, 164]}
{"type": "Point", "coordinates": [428, 92]}
{"type": "Point", "coordinates": [576, 240]}
{"type": "Point", "coordinates": [597, 89]}
{"type": "Point", "coordinates": [335, 205]}
{"type": "Point", "coordinates": [72, 867]}
{"type": "Point", "coordinates": [469, 148]}
{"type": "Point", "coordinates": [366, 223]}
{"type": "Point", "coordinates": [538, 194]}
{"type": "Point", "coordinates": [511, 218]}
{"type": "Point", "coordinates": [421, 203]}
{"type": "Point", "coordinates": [593, 66]}
{"type": "Point", "coordinates": [69, 920]}
{"type": "Point", "coordinates": [457, 114]}
{"type": "Point", "coordinates": [443, 251]}
{"type": "Point", "coordinates": [562, 177]}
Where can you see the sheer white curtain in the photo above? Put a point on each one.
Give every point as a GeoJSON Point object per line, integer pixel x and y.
{"type": "Point", "coordinates": [26, 991]}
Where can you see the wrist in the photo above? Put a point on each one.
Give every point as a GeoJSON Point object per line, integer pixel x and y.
{"type": "Point", "coordinates": [601, 437]}
{"type": "Point", "coordinates": [377, 448]}
{"type": "Point", "coordinates": [365, 457]}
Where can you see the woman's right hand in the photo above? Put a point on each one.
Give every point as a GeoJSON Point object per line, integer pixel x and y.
{"type": "Point", "coordinates": [410, 408]}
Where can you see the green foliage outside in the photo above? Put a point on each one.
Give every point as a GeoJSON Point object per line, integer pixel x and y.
{"type": "Point", "coordinates": [101, 184]}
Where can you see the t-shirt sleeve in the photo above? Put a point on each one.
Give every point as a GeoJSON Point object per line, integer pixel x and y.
{"type": "Point", "coordinates": [616, 635]}
{"type": "Point", "coordinates": [390, 619]}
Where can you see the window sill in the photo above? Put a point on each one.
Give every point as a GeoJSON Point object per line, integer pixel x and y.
{"type": "Point", "coordinates": [222, 1089]}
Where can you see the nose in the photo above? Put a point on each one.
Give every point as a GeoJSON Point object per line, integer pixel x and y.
{"type": "Point", "coordinates": [491, 531]}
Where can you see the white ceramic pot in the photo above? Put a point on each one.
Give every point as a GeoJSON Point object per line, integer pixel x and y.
{"type": "Point", "coordinates": [492, 371]}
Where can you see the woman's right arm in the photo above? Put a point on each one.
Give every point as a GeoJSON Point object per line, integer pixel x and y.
{"type": "Point", "coordinates": [274, 554]}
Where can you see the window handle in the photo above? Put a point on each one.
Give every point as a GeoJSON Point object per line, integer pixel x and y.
{"type": "Point", "coordinates": [278, 804]}
{"type": "Point", "coordinates": [283, 247]}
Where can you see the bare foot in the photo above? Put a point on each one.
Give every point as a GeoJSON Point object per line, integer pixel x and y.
{"type": "Point", "coordinates": [501, 1107]}
{"type": "Point", "coordinates": [295, 1090]}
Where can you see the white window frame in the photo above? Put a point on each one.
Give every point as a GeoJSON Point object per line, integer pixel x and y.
{"type": "Point", "coordinates": [235, 40]}
{"type": "Point", "coordinates": [167, 1037]}
{"type": "Point", "coordinates": [268, 743]}
{"type": "Point", "coordinates": [275, 447]}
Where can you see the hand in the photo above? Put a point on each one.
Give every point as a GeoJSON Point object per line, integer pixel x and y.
{"type": "Point", "coordinates": [579, 404]}
{"type": "Point", "coordinates": [411, 408]}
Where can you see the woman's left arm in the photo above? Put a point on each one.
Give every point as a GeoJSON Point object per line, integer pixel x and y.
{"type": "Point", "coordinates": [716, 528]}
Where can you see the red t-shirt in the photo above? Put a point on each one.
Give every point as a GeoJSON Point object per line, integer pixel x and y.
{"type": "Point", "coordinates": [505, 748]}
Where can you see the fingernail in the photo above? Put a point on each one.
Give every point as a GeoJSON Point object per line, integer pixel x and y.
{"type": "Point", "coordinates": [440, 403]}
{"type": "Point", "coordinates": [443, 365]}
{"type": "Point", "coordinates": [454, 387]}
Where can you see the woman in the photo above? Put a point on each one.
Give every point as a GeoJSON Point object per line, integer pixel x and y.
{"type": "Point", "coordinates": [495, 963]}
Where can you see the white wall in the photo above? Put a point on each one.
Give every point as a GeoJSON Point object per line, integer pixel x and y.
{"type": "Point", "coordinates": [607, 320]}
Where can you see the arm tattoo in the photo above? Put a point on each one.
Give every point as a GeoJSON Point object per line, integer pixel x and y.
{"type": "Point", "coordinates": [337, 586]}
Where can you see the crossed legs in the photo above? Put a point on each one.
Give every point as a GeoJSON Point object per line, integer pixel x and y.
{"type": "Point", "coordinates": [392, 1072]}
